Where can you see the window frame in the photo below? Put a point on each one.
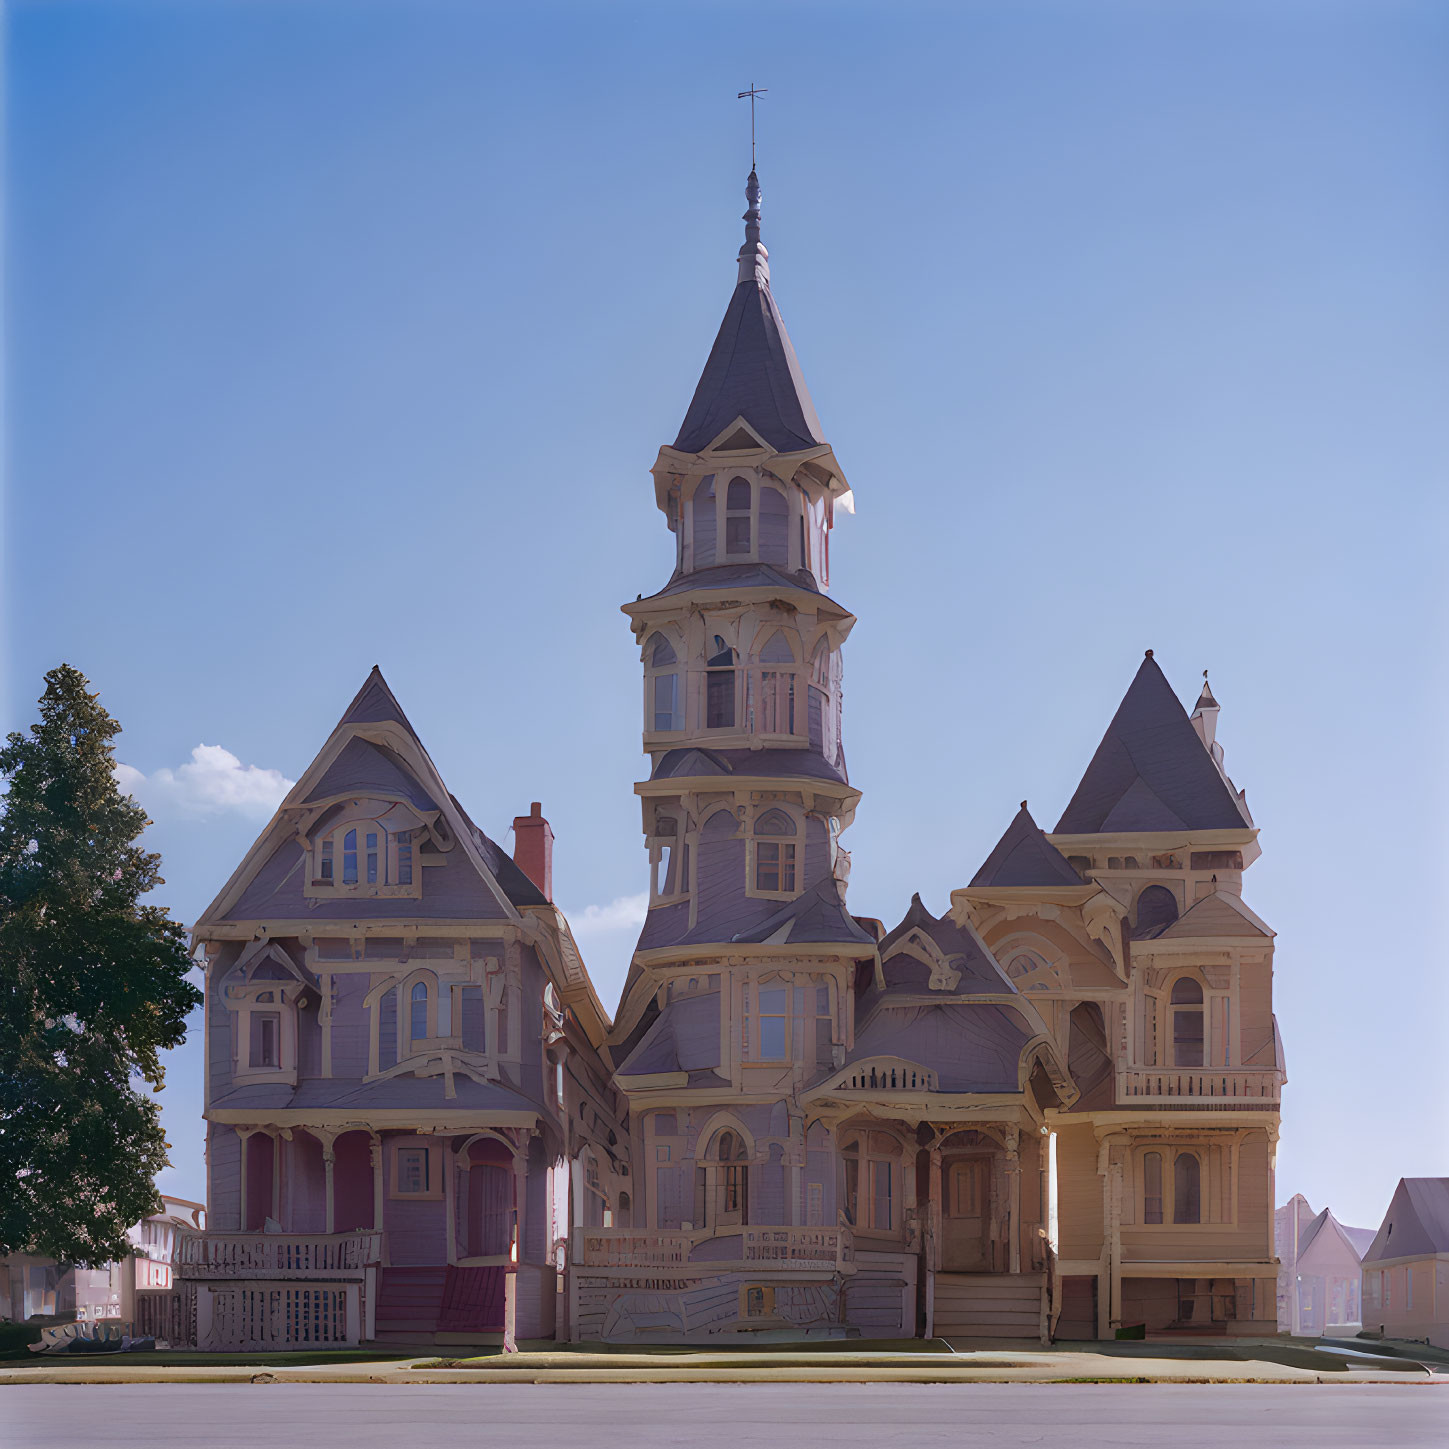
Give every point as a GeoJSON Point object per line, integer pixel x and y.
{"type": "Point", "coordinates": [653, 673]}
{"type": "Point", "coordinates": [794, 842]}
{"type": "Point", "coordinates": [1169, 1153]}
{"type": "Point", "coordinates": [858, 1206]}
{"type": "Point", "coordinates": [434, 1159]}
{"type": "Point", "coordinates": [398, 853]}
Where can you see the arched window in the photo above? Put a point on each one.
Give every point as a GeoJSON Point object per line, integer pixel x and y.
{"type": "Point", "coordinates": [872, 1162]}
{"type": "Point", "coordinates": [774, 541]}
{"type": "Point", "coordinates": [1187, 1023]}
{"type": "Point", "coordinates": [738, 507]}
{"type": "Point", "coordinates": [663, 684]}
{"type": "Point", "coordinates": [722, 1183]}
{"type": "Point", "coordinates": [1187, 1188]}
{"type": "Point", "coordinates": [719, 687]}
{"type": "Point", "coordinates": [1152, 1187]}
{"type": "Point", "coordinates": [1156, 909]}
{"type": "Point", "coordinates": [667, 859]}
{"type": "Point", "coordinates": [706, 525]}
{"type": "Point", "coordinates": [774, 844]}
{"type": "Point", "coordinates": [772, 702]}
{"type": "Point", "coordinates": [418, 1012]}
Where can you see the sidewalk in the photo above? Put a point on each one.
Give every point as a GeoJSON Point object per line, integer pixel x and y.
{"type": "Point", "coordinates": [939, 1361]}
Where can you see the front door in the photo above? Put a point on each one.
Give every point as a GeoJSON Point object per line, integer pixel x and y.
{"type": "Point", "coordinates": [966, 1214]}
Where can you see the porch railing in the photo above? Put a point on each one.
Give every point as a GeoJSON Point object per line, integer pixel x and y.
{"type": "Point", "coordinates": [1225, 1084]}
{"type": "Point", "coordinates": [277, 1255]}
{"type": "Point", "coordinates": [759, 1249]}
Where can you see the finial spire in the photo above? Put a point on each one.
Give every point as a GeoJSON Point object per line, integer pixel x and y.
{"type": "Point", "coordinates": [754, 259]}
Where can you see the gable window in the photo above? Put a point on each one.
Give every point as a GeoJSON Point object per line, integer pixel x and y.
{"type": "Point", "coordinates": [370, 847]}
{"type": "Point", "coordinates": [1187, 1023]}
{"type": "Point", "coordinates": [719, 703]}
{"type": "Point", "coordinates": [738, 506]}
{"type": "Point", "coordinates": [774, 846]}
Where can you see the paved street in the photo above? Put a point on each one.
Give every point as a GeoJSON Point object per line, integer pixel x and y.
{"type": "Point", "coordinates": [360, 1416]}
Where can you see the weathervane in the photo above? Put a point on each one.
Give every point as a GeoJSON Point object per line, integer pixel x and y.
{"type": "Point", "coordinates": [752, 93]}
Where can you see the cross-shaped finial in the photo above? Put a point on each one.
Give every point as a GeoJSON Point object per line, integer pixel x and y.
{"type": "Point", "coordinates": [752, 93]}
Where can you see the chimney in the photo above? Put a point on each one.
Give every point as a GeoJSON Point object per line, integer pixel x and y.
{"type": "Point", "coordinates": [533, 848]}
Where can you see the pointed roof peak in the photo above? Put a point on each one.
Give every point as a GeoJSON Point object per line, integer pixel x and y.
{"type": "Point", "coordinates": [1151, 771]}
{"type": "Point", "coordinates": [1206, 699]}
{"type": "Point", "coordinates": [1025, 857]}
{"type": "Point", "coordinates": [754, 259]}
{"type": "Point", "coordinates": [752, 371]}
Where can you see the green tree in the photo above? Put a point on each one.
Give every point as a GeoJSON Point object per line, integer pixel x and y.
{"type": "Point", "coordinates": [92, 987]}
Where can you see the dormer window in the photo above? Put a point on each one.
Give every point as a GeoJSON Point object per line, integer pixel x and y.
{"type": "Point", "coordinates": [264, 1001]}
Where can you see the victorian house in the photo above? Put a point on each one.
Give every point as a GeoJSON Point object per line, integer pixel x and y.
{"type": "Point", "coordinates": [1050, 1110]}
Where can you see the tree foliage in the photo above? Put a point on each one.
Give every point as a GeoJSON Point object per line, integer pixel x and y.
{"type": "Point", "coordinates": [93, 987]}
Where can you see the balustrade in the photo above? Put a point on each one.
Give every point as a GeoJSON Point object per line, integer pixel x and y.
{"type": "Point", "coordinates": [277, 1255]}
{"type": "Point", "coordinates": [1247, 1084]}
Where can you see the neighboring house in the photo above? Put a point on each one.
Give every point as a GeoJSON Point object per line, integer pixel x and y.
{"type": "Point", "coordinates": [405, 1108]}
{"type": "Point", "coordinates": [135, 1291]}
{"type": "Point", "coordinates": [1406, 1268]}
{"type": "Point", "coordinates": [1051, 1110]}
{"type": "Point", "coordinates": [1319, 1280]}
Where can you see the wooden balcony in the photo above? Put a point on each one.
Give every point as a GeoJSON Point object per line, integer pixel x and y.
{"type": "Point", "coordinates": [277, 1255]}
{"type": "Point", "coordinates": [756, 1249]}
{"type": "Point", "coordinates": [1220, 1087]}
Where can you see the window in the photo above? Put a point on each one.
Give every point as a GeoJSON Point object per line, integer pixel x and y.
{"type": "Point", "coordinates": [774, 853]}
{"type": "Point", "coordinates": [872, 1181]}
{"type": "Point", "coordinates": [418, 1012]}
{"type": "Point", "coordinates": [738, 503]}
{"type": "Point", "coordinates": [412, 1171]}
{"type": "Point", "coordinates": [1152, 1187]}
{"type": "Point", "coordinates": [363, 850]}
{"type": "Point", "coordinates": [719, 703]}
{"type": "Point", "coordinates": [1187, 1023]}
{"type": "Point", "coordinates": [722, 1183]}
{"type": "Point", "coordinates": [772, 702]}
{"type": "Point", "coordinates": [266, 1028]}
{"type": "Point", "coordinates": [774, 1009]}
{"type": "Point", "coordinates": [663, 684]}
{"type": "Point", "coordinates": [666, 858]}
{"type": "Point", "coordinates": [1156, 910]}
{"type": "Point", "coordinates": [1187, 1188]}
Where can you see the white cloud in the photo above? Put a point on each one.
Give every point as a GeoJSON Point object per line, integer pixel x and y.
{"type": "Point", "coordinates": [606, 936]}
{"type": "Point", "coordinates": [211, 782]}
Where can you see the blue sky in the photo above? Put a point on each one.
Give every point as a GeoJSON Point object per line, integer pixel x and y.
{"type": "Point", "coordinates": [342, 334]}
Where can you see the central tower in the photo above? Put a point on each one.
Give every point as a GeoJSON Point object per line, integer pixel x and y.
{"type": "Point", "coordinates": [739, 994]}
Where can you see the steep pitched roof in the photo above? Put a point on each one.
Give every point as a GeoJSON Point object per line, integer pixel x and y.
{"type": "Point", "coordinates": [979, 973]}
{"type": "Point", "coordinates": [752, 371]}
{"type": "Point", "coordinates": [1417, 1222]}
{"type": "Point", "coordinates": [1357, 1240]}
{"type": "Point", "coordinates": [1151, 772]}
{"type": "Point", "coordinates": [817, 915]}
{"type": "Point", "coordinates": [1025, 857]}
{"type": "Point", "coordinates": [1220, 914]}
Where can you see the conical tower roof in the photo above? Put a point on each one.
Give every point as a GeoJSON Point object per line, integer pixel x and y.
{"type": "Point", "coordinates": [1151, 771]}
{"type": "Point", "coordinates": [752, 371]}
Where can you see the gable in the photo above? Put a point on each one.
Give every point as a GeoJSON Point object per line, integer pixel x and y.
{"type": "Point", "coordinates": [364, 768]}
{"type": "Point", "coordinates": [1219, 914]}
{"type": "Point", "coordinates": [1025, 857]}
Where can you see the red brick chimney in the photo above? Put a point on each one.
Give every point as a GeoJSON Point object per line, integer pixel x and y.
{"type": "Point", "coordinates": [533, 848]}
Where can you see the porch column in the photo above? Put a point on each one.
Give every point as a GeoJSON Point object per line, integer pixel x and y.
{"type": "Point", "coordinates": [376, 1155]}
{"type": "Point", "coordinates": [934, 1210]}
{"type": "Point", "coordinates": [329, 1159]}
{"type": "Point", "coordinates": [450, 1198]}
{"type": "Point", "coordinates": [1013, 1199]}
{"type": "Point", "coordinates": [515, 1251]}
